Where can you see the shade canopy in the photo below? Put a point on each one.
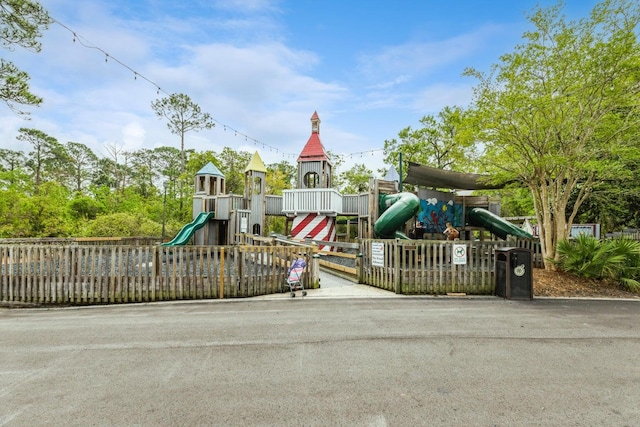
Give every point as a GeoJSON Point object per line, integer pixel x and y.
{"type": "Point", "coordinates": [427, 176]}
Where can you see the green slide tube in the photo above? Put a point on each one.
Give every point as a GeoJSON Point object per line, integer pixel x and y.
{"type": "Point", "coordinates": [500, 227]}
{"type": "Point", "coordinates": [396, 210]}
{"type": "Point", "coordinates": [183, 237]}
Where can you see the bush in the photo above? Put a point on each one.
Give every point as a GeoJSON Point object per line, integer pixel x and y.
{"type": "Point", "coordinates": [120, 225]}
{"type": "Point", "coordinates": [617, 259]}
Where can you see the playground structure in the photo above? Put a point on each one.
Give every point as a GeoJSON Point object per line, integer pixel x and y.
{"type": "Point", "coordinates": [213, 256]}
{"type": "Point", "coordinates": [312, 208]}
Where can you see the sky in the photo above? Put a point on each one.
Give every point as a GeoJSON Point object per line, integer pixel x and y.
{"type": "Point", "coordinates": [261, 68]}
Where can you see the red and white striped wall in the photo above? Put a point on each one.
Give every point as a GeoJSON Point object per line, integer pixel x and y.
{"type": "Point", "coordinates": [318, 227]}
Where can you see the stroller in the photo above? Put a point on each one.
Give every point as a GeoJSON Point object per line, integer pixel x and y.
{"type": "Point", "coordinates": [294, 276]}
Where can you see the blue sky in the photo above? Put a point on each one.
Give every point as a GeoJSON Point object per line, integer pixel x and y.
{"type": "Point", "coordinates": [261, 68]}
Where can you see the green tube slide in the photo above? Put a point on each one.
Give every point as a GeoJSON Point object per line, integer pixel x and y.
{"type": "Point", "coordinates": [183, 237]}
{"type": "Point", "coordinates": [396, 210]}
{"type": "Point", "coordinates": [500, 227]}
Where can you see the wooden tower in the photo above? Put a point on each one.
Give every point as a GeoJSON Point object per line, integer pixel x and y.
{"type": "Point", "coordinates": [314, 165]}
{"type": "Point", "coordinates": [209, 183]}
{"type": "Point", "coordinates": [314, 179]}
{"type": "Point", "coordinates": [254, 194]}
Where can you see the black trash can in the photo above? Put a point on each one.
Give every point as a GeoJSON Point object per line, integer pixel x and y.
{"type": "Point", "coordinates": [514, 273]}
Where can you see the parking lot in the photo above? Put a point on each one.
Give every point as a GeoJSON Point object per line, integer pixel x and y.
{"type": "Point", "coordinates": [313, 361]}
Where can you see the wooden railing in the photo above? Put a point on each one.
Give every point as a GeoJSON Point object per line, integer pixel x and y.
{"type": "Point", "coordinates": [131, 241]}
{"type": "Point", "coordinates": [319, 200]}
{"type": "Point", "coordinates": [273, 205]}
{"type": "Point", "coordinates": [355, 204]}
{"type": "Point", "coordinates": [70, 274]}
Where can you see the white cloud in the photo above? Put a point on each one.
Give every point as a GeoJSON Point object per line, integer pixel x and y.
{"type": "Point", "coordinates": [133, 136]}
{"type": "Point", "coordinates": [433, 99]}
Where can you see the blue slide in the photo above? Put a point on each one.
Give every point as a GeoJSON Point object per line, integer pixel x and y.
{"type": "Point", "coordinates": [187, 231]}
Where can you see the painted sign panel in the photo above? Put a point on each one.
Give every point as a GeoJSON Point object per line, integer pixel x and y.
{"type": "Point", "coordinates": [377, 254]}
{"type": "Point", "coordinates": [459, 254]}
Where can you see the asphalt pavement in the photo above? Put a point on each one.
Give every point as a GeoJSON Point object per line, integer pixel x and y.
{"type": "Point", "coordinates": [368, 359]}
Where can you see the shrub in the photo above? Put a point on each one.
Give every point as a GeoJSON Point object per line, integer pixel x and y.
{"type": "Point", "coordinates": [617, 259]}
{"type": "Point", "coordinates": [115, 225]}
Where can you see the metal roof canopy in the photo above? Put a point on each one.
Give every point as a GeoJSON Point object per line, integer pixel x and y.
{"type": "Point", "coordinates": [439, 178]}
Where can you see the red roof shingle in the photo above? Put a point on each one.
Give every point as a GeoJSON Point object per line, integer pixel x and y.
{"type": "Point", "coordinates": [313, 149]}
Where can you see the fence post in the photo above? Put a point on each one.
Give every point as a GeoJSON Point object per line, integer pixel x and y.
{"type": "Point", "coordinates": [221, 274]}
{"type": "Point", "coordinates": [397, 282]}
{"type": "Point", "coordinates": [315, 271]}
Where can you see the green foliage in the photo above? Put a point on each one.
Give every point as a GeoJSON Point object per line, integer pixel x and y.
{"type": "Point", "coordinates": [81, 193]}
{"type": "Point", "coordinates": [444, 142]}
{"type": "Point", "coordinates": [13, 174]}
{"type": "Point", "coordinates": [232, 165]}
{"type": "Point", "coordinates": [81, 165]}
{"type": "Point", "coordinates": [615, 204]}
{"type": "Point", "coordinates": [274, 224]}
{"type": "Point", "coordinates": [39, 215]}
{"type": "Point", "coordinates": [515, 202]}
{"type": "Point", "coordinates": [559, 113]}
{"type": "Point", "coordinates": [46, 157]}
{"type": "Point", "coordinates": [356, 179]}
{"type": "Point", "coordinates": [85, 208]}
{"type": "Point", "coordinates": [280, 176]}
{"type": "Point", "coordinates": [617, 259]}
{"type": "Point", "coordinates": [120, 225]}
{"type": "Point", "coordinates": [21, 23]}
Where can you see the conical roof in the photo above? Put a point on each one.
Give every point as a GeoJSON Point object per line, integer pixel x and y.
{"type": "Point", "coordinates": [256, 164]}
{"type": "Point", "coordinates": [392, 175]}
{"type": "Point", "coordinates": [313, 149]}
{"type": "Point", "coordinates": [210, 169]}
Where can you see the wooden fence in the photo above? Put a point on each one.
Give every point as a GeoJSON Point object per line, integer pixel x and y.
{"type": "Point", "coordinates": [98, 274]}
{"type": "Point", "coordinates": [82, 241]}
{"type": "Point", "coordinates": [422, 267]}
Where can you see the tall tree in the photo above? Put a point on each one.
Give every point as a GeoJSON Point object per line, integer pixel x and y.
{"type": "Point", "coordinates": [45, 155]}
{"type": "Point", "coordinates": [168, 164]}
{"type": "Point", "coordinates": [168, 167]}
{"type": "Point", "coordinates": [558, 113]}
{"type": "Point", "coordinates": [82, 161]}
{"type": "Point", "coordinates": [182, 115]}
{"type": "Point", "coordinates": [143, 169]}
{"type": "Point", "coordinates": [12, 166]}
{"type": "Point", "coordinates": [121, 171]}
{"type": "Point", "coordinates": [444, 142]}
{"type": "Point", "coordinates": [232, 165]}
{"type": "Point", "coordinates": [21, 23]}
{"type": "Point", "coordinates": [105, 174]}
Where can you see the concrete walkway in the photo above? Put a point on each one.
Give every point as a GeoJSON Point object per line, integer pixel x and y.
{"type": "Point", "coordinates": [336, 287]}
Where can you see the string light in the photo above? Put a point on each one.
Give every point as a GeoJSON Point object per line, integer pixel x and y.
{"type": "Point", "coordinates": [87, 44]}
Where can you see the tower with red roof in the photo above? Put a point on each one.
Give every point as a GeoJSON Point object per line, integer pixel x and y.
{"type": "Point", "coordinates": [316, 203]}
{"type": "Point", "coordinates": [314, 165]}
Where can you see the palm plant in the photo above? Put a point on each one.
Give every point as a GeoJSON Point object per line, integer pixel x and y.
{"type": "Point", "coordinates": [628, 273]}
{"type": "Point", "coordinates": [617, 259]}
